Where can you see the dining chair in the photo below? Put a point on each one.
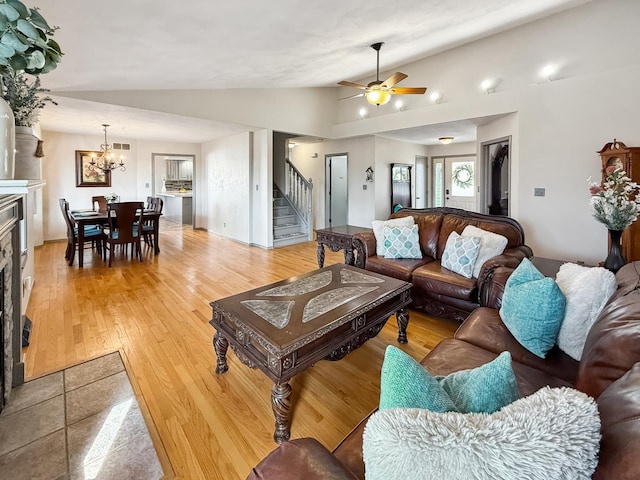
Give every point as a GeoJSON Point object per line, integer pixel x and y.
{"type": "Point", "coordinates": [92, 234]}
{"type": "Point", "coordinates": [100, 202]}
{"type": "Point", "coordinates": [156, 204]}
{"type": "Point", "coordinates": [125, 228]}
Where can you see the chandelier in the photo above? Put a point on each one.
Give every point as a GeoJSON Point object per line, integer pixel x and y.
{"type": "Point", "coordinates": [106, 160]}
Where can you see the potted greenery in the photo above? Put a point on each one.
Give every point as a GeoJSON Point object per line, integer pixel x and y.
{"type": "Point", "coordinates": [26, 47]}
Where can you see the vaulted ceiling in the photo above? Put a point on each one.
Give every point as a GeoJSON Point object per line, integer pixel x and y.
{"type": "Point", "coordinates": [193, 44]}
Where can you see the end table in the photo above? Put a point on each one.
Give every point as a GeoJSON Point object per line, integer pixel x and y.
{"type": "Point", "coordinates": [338, 238]}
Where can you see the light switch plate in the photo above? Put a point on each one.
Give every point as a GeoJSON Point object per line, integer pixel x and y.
{"type": "Point", "coordinates": [538, 192]}
{"type": "Point", "coordinates": [364, 187]}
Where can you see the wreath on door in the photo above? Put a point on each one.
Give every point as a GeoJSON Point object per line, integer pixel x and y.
{"type": "Point", "coordinates": [463, 176]}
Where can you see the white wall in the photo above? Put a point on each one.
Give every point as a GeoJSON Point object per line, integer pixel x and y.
{"type": "Point", "coordinates": [261, 188]}
{"type": "Point", "coordinates": [227, 183]}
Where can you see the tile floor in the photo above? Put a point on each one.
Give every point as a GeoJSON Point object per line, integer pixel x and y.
{"type": "Point", "coordinates": [82, 423]}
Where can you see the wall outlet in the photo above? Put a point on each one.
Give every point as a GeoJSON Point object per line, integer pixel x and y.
{"type": "Point", "coordinates": [364, 187]}
{"type": "Point", "coordinates": [146, 185]}
{"type": "Point", "coordinates": [538, 192]}
{"type": "Point", "coordinates": [224, 224]}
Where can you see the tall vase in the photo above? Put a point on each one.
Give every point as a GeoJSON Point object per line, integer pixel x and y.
{"type": "Point", "coordinates": [7, 141]}
{"type": "Point", "coordinates": [614, 260]}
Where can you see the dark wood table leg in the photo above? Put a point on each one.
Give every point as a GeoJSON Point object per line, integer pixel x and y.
{"type": "Point", "coordinates": [320, 255]}
{"type": "Point", "coordinates": [281, 404]}
{"type": "Point", "coordinates": [80, 244]}
{"type": "Point", "coordinates": [402, 316]}
{"type": "Point", "coordinates": [220, 345]}
{"type": "Point", "coordinates": [349, 259]}
{"type": "Point", "coordinates": [156, 236]}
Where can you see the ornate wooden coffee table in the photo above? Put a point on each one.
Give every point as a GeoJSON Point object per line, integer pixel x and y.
{"type": "Point", "coordinates": [284, 328]}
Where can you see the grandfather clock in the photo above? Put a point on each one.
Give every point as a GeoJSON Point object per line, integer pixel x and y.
{"type": "Point", "coordinates": [617, 154]}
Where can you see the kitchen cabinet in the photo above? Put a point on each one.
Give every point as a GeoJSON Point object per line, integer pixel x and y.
{"type": "Point", "coordinates": [179, 170]}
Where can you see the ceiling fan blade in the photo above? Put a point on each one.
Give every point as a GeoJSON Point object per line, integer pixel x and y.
{"type": "Point", "coordinates": [409, 90]}
{"type": "Point", "coordinates": [352, 96]}
{"type": "Point", "coordinates": [393, 79]}
{"type": "Point", "coordinates": [344, 83]}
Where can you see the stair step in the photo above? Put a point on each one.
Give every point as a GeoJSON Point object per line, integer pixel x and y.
{"type": "Point", "coordinates": [290, 239]}
{"type": "Point", "coordinates": [283, 219]}
{"type": "Point", "coordinates": [286, 229]}
{"type": "Point", "coordinates": [281, 210]}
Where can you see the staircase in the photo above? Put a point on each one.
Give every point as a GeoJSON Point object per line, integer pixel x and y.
{"type": "Point", "coordinates": [287, 226]}
{"type": "Point", "coordinates": [292, 211]}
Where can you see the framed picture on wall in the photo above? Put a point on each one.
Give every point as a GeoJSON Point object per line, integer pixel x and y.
{"type": "Point", "coordinates": [87, 176]}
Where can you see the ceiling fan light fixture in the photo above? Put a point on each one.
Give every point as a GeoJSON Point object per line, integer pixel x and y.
{"type": "Point", "coordinates": [445, 140]}
{"type": "Point", "coordinates": [378, 96]}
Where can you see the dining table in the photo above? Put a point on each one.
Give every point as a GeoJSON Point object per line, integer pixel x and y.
{"type": "Point", "coordinates": [83, 218]}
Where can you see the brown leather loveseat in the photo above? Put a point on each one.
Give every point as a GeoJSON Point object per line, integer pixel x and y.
{"type": "Point", "coordinates": [609, 371]}
{"type": "Point", "coordinates": [437, 290]}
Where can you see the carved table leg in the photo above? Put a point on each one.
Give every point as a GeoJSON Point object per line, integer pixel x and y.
{"type": "Point", "coordinates": [349, 259]}
{"type": "Point", "coordinates": [220, 345]}
{"type": "Point", "coordinates": [281, 404]}
{"type": "Point", "coordinates": [320, 255]}
{"type": "Point", "coordinates": [402, 316]}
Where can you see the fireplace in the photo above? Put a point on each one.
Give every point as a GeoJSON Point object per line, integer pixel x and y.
{"type": "Point", "coordinates": [12, 367]}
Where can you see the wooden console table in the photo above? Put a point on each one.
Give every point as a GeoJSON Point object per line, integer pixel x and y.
{"type": "Point", "coordinates": [338, 238]}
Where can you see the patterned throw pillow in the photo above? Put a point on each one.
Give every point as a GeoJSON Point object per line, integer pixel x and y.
{"type": "Point", "coordinates": [401, 242]}
{"type": "Point", "coordinates": [378, 228]}
{"type": "Point", "coordinates": [460, 254]}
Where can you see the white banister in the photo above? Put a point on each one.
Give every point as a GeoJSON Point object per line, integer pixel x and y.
{"type": "Point", "coordinates": [299, 191]}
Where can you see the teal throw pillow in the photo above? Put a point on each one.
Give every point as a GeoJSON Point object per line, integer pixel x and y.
{"type": "Point", "coordinates": [401, 242]}
{"type": "Point", "coordinates": [532, 308]}
{"type": "Point", "coordinates": [405, 383]}
{"type": "Point", "coordinates": [460, 254]}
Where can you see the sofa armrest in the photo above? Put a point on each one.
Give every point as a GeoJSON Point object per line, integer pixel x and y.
{"type": "Point", "coordinates": [364, 244]}
{"type": "Point", "coordinates": [493, 278]}
{"type": "Point", "coordinates": [301, 459]}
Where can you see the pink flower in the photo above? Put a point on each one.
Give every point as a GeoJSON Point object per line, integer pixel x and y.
{"type": "Point", "coordinates": [610, 169]}
{"type": "Point", "coordinates": [595, 189]}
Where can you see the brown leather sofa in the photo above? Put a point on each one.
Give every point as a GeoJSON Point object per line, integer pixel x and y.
{"type": "Point", "coordinates": [439, 291]}
{"type": "Point", "coordinates": [609, 371]}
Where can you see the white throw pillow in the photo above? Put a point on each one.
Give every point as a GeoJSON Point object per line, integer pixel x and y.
{"type": "Point", "coordinates": [491, 245]}
{"type": "Point", "coordinates": [587, 290]}
{"type": "Point", "coordinates": [378, 230]}
{"type": "Point", "coordinates": [552, 434]}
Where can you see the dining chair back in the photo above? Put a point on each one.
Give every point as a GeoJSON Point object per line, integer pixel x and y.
{"type": "Point", "coordinates": [125, 227]}
{"type": "Point", "coordinates": [92, 234]}
{"type": "Point", "coordinates": [99, 203]}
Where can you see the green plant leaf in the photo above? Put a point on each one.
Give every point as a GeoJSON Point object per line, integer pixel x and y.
{"type": "Point", "coordinates": [6, 51]}
{"type": "Point", "coordinates": [28, 29]}
{"type": "Point", "coordinates": [4, 22]}
{"type": "Point", "coordinates": [20, 7]}
{"type": "Point", "coordinates": [53, 44]}
{"type": "Point", "coordinates": [39, 21]}
{"type": "Point", "coordinates": [9, 12]}
{"type": "Point", "coordinates": [49, 65]}
{"type": "Point", "coordinates": [35, 60]}
{"type": "Point", "coordinates": [18, 62]}
{"type": "Point", "coordinates": [9, 38]}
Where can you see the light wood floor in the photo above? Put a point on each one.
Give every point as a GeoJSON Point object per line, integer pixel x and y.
{"type": "Point", "coordinates": [157, 313]}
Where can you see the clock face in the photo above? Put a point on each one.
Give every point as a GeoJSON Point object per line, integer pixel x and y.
{"type": "Point", "coordinates": [615, 162]}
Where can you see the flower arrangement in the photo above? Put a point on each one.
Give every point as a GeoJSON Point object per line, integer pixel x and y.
{"type": "Point", "coordinates": [615, 202]}
{"type": "Point", "coordinates": [111, 197]}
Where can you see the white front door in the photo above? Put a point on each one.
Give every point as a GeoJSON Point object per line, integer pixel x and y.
{"type": "Point", "coordinates": [460, 182]}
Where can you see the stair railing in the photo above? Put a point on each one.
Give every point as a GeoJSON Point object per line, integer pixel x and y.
{"type": "Point", "coordinates": [299, 191]}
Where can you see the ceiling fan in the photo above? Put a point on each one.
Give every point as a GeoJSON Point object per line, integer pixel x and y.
{"type": "Point", "coordinates": [379, 92]}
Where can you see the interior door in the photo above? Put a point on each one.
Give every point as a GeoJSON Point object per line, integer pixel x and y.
{"type": "Point", "coordinates": [460, 182]}
{"type": "Point", "coordinates": [337, 192]}
{"type": "Point", "coordinates": [422, 191]}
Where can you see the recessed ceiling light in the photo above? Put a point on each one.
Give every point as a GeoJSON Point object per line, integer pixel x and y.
{"type": "Point", "coordinates": [548, 71]}
{"type": "Point", "coordinates": [487, 85]}
{"type": "Point", "coordinates": [435, 97]}
{"type": "Point", "coordinates": [446, 140]}
{"type": "Point", "coordinates": [362, 112]}
{"type": "Point", "coordinates": [399, 104]}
